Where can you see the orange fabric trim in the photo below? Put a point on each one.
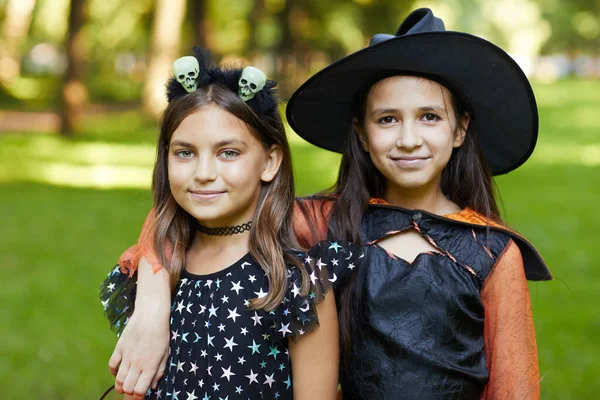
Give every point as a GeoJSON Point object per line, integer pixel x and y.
{"type": "Point", "coordinates": [310, 219]}
{"type": "Point", "coordinates": [509, 333]}
{"type": "Point", "coordinates": [129, 260]}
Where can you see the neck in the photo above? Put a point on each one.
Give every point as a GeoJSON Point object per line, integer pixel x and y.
{"type": "Point", "coordinates": [429, 199]}
{"type": "Point", "coordinates": [219, 243]}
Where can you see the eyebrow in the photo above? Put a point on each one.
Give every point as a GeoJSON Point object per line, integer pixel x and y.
{"type": "Point", "coordinates": [230, 142]}
{"type": "Point", "coordinates": [420, 109]}
{"type": "Point", "coordinates": [181, 143]}
{"type": "Point", "coordinates": [222, 143]}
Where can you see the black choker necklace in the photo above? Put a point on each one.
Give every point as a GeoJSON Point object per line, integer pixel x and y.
{"type": "Point", "coordinates": [225, 230]}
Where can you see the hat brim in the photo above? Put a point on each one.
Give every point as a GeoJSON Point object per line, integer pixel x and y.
{"type": "Point", "coordinates": [504, 111]}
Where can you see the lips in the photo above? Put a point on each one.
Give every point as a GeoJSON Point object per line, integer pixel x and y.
{"type": "Point", "coordinates": [206, 194]}
{"type": "Point", "coordinates": [409, 161]}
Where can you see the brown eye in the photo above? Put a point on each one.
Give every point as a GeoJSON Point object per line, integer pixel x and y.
{"type": "Point", "coordinates": [387, 120]}
{"type": "Point", "coordinates": [431, 117]}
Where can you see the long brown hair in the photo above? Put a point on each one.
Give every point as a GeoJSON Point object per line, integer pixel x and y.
{"type": "Point", "coordinates": [271, 236]}
{"type": "Point", "coordinates": [466, 180]}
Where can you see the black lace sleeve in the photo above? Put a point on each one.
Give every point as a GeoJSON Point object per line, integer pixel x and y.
{"type": "Point", "coordinates": [117, 294]}
{"type": "Point", "coordinates": [326, 264]}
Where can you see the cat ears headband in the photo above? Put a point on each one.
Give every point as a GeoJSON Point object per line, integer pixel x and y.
{"type": "Point", "coordinates": [195, 72]}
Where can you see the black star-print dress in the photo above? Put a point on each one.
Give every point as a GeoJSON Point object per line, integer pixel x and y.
{"type": "Point", "coordinates": [222, 349]}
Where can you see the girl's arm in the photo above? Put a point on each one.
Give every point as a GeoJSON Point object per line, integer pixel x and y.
{"type": "Point", "coordinates": [315, 357]}
{"type": "Point", "coordinates": [510, 343]}
{"type": "Point", "coordinates": [139, 358]}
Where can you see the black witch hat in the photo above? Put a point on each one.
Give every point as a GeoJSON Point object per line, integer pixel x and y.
{"type": "Point", "coordinates": [497, 93]}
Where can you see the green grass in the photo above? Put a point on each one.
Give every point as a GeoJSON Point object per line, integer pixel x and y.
{"type": "Point", "coordinates": [65, 220]}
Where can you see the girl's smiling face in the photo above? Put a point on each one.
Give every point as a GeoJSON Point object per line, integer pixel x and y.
{"type": "Point", "coordinates": [409, 130]}
{"type": "Point", "coordinates": [216, 167]}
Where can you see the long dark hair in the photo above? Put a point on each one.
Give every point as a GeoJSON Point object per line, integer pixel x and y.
{"type": "Point", "coordinates": [271, 235]}
{"type": "Point", "coordinates": [466, 180]}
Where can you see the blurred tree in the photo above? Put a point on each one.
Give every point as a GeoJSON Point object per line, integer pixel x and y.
{"type": "Point", "coordinates": [198, 14]}
{"type": "Point", "coordinates": [74, 92]}
{"type": "Point", "coordinates": [17, 21]}
{"type": "Point", "coordinates": [575, 26]}
{"type": "Point", "coordinates": [256, 16]}
{"type": "Point", "coordinates": [164, 49]}
{"type": "Point", "coordinates": [286, 50]}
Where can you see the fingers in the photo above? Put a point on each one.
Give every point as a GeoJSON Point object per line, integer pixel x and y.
{"type": "Point", "coordinates": [115, 360]}
{"type": "Point", "coordinates": [121, 376]}
{"type": "Point", "coordinates": [161, 370]}
{"type": "Point", "coordinates": [142, 385]}
{"type": "Point", "coordinates": [131, 381]}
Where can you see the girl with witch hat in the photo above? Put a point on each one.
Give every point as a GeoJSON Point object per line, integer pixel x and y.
{"type": "Point", "coordinates": [440, 308]}
{"type": "Point", "coordinates": [245, 298]}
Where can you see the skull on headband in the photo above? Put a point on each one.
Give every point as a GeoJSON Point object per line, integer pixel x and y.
{"type": "Point", "coordinates": [252, 81]}
{"type": "Point", "coordinates": [186, 71]}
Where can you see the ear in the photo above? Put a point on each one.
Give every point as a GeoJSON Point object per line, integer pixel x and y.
{"type": "Point", "coordinates": [461, 131]}
{"type": "Point", "coordinates": [274, 158]}
{"type": "Point", "coordinates": [362, 137]}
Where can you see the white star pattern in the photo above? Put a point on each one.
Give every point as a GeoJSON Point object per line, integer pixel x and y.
{"type": "Point", "coordinates": [260, 293]}
{"type": "Point", "coordinates": [252, 377]}
{"type": "Point", "coordinates": [284, 329]}
{"type": "Point", "coordinates": [233, 314]}
{"type": "Point", "coordinates": [227, 373]}
{"type": "Point", "coordinates": [212, 311]}
{"type": "Point", "coordinates": [295, 290]}
{"type": "Point", "coordinates": [320, 264]}
{"type": "Point", "coordinates": [193, 369]}
{"type": "Point", "coordinates": [313, 277]}
{"type": "Point", "coordinates": [269, 380]}
{"type": "Point", "coordinates": [229, 343]}
{"type": "Point", "coordinates": [219, 307]}
{"type": "Point", "coordinates": [237, 287]}
{"type": "Point", "coordinates": [256, 319]}
{"type": "Point", "coordinates": [180, 366]}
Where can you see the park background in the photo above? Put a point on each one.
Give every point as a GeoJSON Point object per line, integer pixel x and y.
{"type": "Point", "coordinates": [81, 86]}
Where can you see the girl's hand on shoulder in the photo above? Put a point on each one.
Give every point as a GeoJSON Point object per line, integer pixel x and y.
{"type": "Point", "coordinates": [138, 361]}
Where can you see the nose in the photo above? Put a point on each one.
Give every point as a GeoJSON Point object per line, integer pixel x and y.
{"type": "Point", "coordinates": [206, 169]}
{"type": "Point", "coordinates": [409, 137]}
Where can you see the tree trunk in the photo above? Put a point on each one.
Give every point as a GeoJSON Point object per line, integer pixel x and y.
{"type": "Point", "coordinates": [74, 92]}
{"type": "Point", "coordinates": [198, 14]}
{"type": "Point", "coordinates": [166, 34]}
{"type": "Point", "coordinates": [255, 17]}
{"type": "Point", "coordinates": [285, 52]}
{"type": "Point", "coordinates": [17, 21]}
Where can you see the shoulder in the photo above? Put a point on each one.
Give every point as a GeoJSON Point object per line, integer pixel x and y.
{"type": "Point", "coordinates": [311, 218]}
{"type": "Point", "coordinates": [315, 205]}
{"type": "Point", "coordinates": [535, 266]}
